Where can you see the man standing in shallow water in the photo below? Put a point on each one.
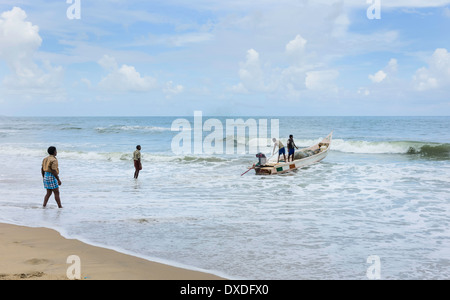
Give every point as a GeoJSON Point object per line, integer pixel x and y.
{"type": "Point", "coordinates": [137, 161]}
{"type": "Point", "coordinates": [50, 175]}
{"type": "Point", "coordinates": [281, 149]}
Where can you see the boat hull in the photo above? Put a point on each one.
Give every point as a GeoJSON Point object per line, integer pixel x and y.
{"type": "Point", "coordinates": [284, 167]}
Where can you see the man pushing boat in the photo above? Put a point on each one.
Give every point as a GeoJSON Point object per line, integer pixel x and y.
{"type": "Point", "coordinates": [281, 149]}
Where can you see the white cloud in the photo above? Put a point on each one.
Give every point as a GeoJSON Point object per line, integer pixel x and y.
{"type": "Point", "coordinates": [86, 81]}
{"type": "Point", "coordinates": [393, 3]}
{"type": "Point", "coordinates": [392, 66]}
{"type": "Point", "coordinates": [251, 74]}
{"type": "Point", "coordinates": [437, 74]}
{"type": "Point", "coordinates": [296, 50]}
{"type": "Point", "coordinates": [187, 38]}
{"type": "Point", "coordinates": [294, 76]}
{"type": "Point", "coordinates": [363, 91]}
{"type": "Point", "coordinates": [20, 40]}
{"type": "Point", "coordinates": [424, 81]}
{"type": "Point", "coordinates": [321, 80]}
{"type": "Point", "coordinates": [125, 78]}
{"type": "Point", "coordinates": [415, 3]}
{"type": "Point", "coordinates": [446, 12]}
{"type": "Point", "coordinates": [291, 81]}
{"type": "Point", "coordinates": [108, 62]}
{"type": "Point", "coordinates": [378, 76]}
{"type": "Point", "coordinates": [340, 20]}
{"type": "Point", "coordinates": [239, 5]}
{"type": "Point", "coordinates": [170, 89]}
{"type": "Point", "coordinates": [386, 72]}
{"type": "Point", "coordinates": [385, 82]}
{"type": "Point", "coordinates": [239, 89]}
{"type": "Point", "coordinates": [297, 45]}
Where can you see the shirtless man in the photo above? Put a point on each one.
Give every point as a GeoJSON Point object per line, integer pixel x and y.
{"type": "Point", "coordinates": [281, 149]}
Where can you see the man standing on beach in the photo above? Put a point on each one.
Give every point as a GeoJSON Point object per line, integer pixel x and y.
{"type": "Point", "coordinates": [50, 175]}
{"type": "Point", "coordinates": [137, 161]}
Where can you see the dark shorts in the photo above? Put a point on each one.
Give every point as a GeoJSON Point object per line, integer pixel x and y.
{"type": "Point", "coordinates": [50, 182]}
{"type": "Point", "coordinates": [291, 151]}
{"type": "Point", "coordinates": [281, 151]}
{"type": "Point", "coordinates": [137, 165]}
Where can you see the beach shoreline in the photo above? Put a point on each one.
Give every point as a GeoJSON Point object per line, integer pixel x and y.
{"type": "Point", "coordinates": [29, 253]}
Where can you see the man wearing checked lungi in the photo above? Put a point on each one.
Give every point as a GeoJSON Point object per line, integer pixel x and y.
{"type": "Point", "coordinates": [50, 173]}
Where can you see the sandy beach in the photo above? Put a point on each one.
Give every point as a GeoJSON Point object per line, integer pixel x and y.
{"type": "Point", "coordinates": [42, 253]}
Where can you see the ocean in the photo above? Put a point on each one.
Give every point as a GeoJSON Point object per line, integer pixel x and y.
{"type": "Point", "coordinates": [383, 191]}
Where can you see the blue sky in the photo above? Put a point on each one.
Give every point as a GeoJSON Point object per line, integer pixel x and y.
{"type": "Point", "coordinates": [231, 57]}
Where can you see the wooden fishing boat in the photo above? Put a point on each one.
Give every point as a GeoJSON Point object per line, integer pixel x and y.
{"type": "Point", "coordinates": [302, 158]}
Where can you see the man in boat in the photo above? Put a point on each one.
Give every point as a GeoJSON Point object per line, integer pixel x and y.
{"type": "Point", "coordinates": [320, 148]}
{"type": "Point", "coordinates": [281, 149]}
{"type": "Point", "coordinates": [291, 145]}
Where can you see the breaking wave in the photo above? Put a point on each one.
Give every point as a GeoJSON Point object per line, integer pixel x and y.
{"type": "Point", "coordinates": [121, 128]}
{"type": "Point", "coordinates": [422, 149]}
{"type": "Point", "coordinates": [414, 149]}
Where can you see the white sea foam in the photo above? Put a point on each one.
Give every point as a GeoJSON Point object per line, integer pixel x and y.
{"type": "Point", "coordinates": [119, 128]}
{"type": "Point", "coordinates": [372, 147]}
{"type": "Point", "coordinates": [345, 146]}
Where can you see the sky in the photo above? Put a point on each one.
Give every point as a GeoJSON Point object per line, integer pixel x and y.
{"type": "Point", "coordinates": [225, 58]}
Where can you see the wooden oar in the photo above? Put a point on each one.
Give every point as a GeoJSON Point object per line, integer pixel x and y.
{"type": "Point", "coordinates": [248, 170]}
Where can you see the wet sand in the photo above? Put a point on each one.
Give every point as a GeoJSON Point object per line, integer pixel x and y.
{"type": "Point", "coordinates": [41, 254]}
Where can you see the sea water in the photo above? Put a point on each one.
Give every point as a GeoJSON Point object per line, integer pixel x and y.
{"type": "Point", "coordinates": [383, 191]}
